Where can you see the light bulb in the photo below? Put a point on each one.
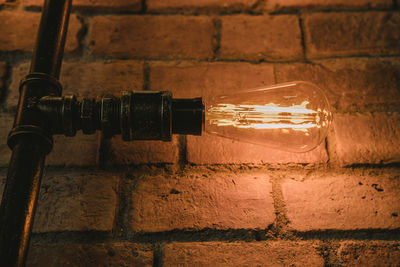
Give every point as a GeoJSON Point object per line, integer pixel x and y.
{"type": "Point", "coordinates": [292, 116]}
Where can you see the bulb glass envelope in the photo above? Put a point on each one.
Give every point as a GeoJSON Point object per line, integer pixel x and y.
{"type": "Point", "coordinates": [292, 116]}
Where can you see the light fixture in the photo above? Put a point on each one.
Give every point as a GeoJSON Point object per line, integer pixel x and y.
{"type": "Point", "coordinates": [291, 116]}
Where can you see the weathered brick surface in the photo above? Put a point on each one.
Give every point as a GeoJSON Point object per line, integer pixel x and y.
{"type": "Point", "coordinates": [348, 34]}
{"type": "Point", "coordinates": [18, 36]}
{"type": "Point", "coordinates": [261, 38]}
{"type": "Point", "coordinates": [275, 5]}
{"type": "Point", "coordinates": [103, 254]}
{"type": "Point", "coordinates": [370, 253]}
{"type": "Point", "coordinates": [88, 79]}
{"type": "Point", "coordinates": [367, 138]}
{"type": "Point", "coordinates": [80, 150]}
{"type": "Point", "coordinates": [349, 48]}
{"type": "Point", "coordinates": [242, 254]}
{"type": "Point", "coordinates": [195, 5]}
{"type": "Point", "coordinates": [143, 152]}
{"type": "Point", "coordinates": [187, 80]}
{"type": "Point", "coordinates": [211, 79]}
{"type": "Point", "coordinates": [211, 149]}
{"type": "Point", "coordinates": [152, 36]}
{"type": "Point", "coordinates": [343, 201]}
{"type": "Point", "coordinates": [76, 201]}
{"type": "Point", "coordinates": [350, 84]}
{"type": "Point", "coordinates": [202, 199]}
{"type": "Point", "coordinates": [98, 5]}
{"type": "Point", "coordinates": [6, 123]}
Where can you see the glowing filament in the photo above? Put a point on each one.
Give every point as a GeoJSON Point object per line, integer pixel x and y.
{"type": "Point", "coordinates": [269, 116]}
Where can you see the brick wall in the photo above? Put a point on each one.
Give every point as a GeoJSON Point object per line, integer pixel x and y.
{"type": "Point", "coordinates": [208, 200]}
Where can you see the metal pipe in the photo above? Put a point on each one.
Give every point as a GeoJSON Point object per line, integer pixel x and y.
{"type": "Point", "coordinates": [136, 115]}
{"type": "Point", "coordinates": [30, 138]}
{"type": "Point", "coordinates": [49, 48]}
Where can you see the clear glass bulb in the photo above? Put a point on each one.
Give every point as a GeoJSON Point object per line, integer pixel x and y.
{"type": "Point", "coordinates": [292, 116]}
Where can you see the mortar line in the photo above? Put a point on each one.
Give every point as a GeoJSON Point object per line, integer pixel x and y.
{"type": "Point", "coordinates": [23, 57]}
{"type": "Point", "coordinates": [302, 36]}
{"type": "Point", "coordinates": [196, 12]}
{"type": "Point", "coordinates": [328, 251]}
{"type": "Point", "coordinates": [143, 6]}
{"type": "Point", "coordinates": [214, 235]}
{"type": "Point", "coordinates": [158, 255]}
{"type": "Point", "coordinates": [83, 37]}
{"type": "Point", "coordinates": [119, 226]}
{"type": "Point", "coordinates": [182, 151]}
{"type": "Point", "coordinates": [281, 221]}
{"type": "Point", "coordinates": [217, 24]}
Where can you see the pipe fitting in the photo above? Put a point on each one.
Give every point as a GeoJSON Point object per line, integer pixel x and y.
{"type": "Point", "coordinates": [144, 115]}
{"type": "Point", "coordinates": [29, 121]}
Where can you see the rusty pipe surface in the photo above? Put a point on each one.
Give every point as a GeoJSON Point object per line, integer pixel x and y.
{"type": "Point", "coordinates": [30, 138]}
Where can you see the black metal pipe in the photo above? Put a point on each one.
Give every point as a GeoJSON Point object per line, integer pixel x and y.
{"type": "Point", "coordinates": [49, 48]}
{"type": "Point", "coordinates": [30, 138]}
{"type": "Point", "coordinates": [19, 201]}
{"type": "Point", "coordinates": [136, 115]}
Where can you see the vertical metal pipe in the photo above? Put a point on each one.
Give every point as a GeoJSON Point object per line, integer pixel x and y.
{"type": "Point", "coordinates": [19, 202]}
{"type": "Point", "coordinates": [29, 138]}
{"type": "Point", "coordinates": [49, 48]}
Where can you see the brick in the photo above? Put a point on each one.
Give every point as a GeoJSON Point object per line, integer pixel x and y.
{"type": "Point", "coordinates": [211, 79]}
{"type": "Point", "coordinates": [279, 5]}
{"type": "Point", "coordinates": [202, 5]}
{"type": "Point", "coordinates": [202, 199]}
{"type": "Point", "coordinates": [187, 80]}
{"type": "Point", "coordinates": [143, 152]}
{"type": "Point", "coordinates": [367, 138]}
{"type": "Point", "coordinates": [371, 253]}
{"type": "Point", "coordinates": [17, 36]}
{"type": "Point", "coordinates": [97, 254]}
{"type": "Point", "coordinates": [261, 38]}
{"type": "Point", "coordinates": [152, 36]}
{"type": "Point", "coordinates": [211, 149]}
{"type": "Point", "coordinates": [3, 75]}
{"type": "Point", "coordinates": [6, 123]}
{"type": "Point", "coordinates": [343, 201]}
{"type": "Point", "coordinates": [279, 253]}
{"type": "Point", "coordinates": [350, 34]}
{"type": "Point", "coordinates": [91, 79]}
{"type": "Point", "coordinates": [97, 5]}
{"type": "Point", "coordinates": [80, 150]}
{"type": "Point", "coordinates": [76, 201]}
{"type": "Point", "coordinates": [376, 86]}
